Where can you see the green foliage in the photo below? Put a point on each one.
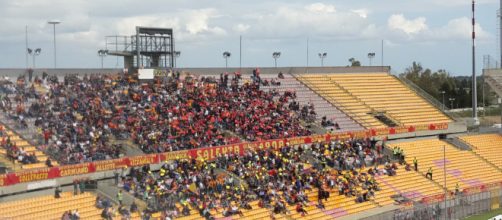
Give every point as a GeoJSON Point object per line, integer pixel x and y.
{"type": "Point", "coordinates": [457, 87]}
{"type": "Point", "coordinates": [354, 62]}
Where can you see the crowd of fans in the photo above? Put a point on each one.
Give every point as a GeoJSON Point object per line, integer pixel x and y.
{"type": "Point", "coordinates": [79, 116]}
{"type": "Point", "coordinates": [271, 179]}
{"type": "Point", "coordinates": [15, 152]}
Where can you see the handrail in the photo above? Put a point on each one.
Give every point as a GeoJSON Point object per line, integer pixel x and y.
{"type": "Point", "coordinates": [433, 101]}
{"type": "Point", "coordinates": [332, 102]}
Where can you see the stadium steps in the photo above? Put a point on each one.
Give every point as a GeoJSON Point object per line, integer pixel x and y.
{"type": "Point", "coordinates": [384, 92]}
{"type": "Point", "coordinates": [462, 167]}
{"type": "Point", "coordinates": [487, 147]}
{"type": "Point", "coordinates": [306, 95]}
{"type": "Point", "coordinates": [410, 184]}
{"type": "Point", "coordinates": [340, 98]}
{"type": "Point", "coordinates": [21, 143]}
{"type": "Point", "coordinates": [47, 207]}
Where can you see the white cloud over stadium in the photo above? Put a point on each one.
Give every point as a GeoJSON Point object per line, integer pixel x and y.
{"type": "Point", "coordinates": [210, 24]}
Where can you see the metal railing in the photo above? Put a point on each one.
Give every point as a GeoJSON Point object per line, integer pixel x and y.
{"type": "Point", "coordinates": [456, 207]}
{"type": "Point", "coordinates": [433, 101]}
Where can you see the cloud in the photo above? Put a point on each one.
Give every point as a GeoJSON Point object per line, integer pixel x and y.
{"type": "Point", "coordinates": [402, 29]}
{"type": "Point", "coordinates": [460, 28]}
{"type": "Point", "coordinates": [241, 28]}
{"type": "Point", "coordinates": [320, 8]}
{"type": "Point", "coordinates": [315, 20]}
{"type": "Point", "coordinates": [189, 25]}
{"type": "Point", "coordinates": [363, 13]}
{"type": "Point", "coordinates": [398, 22]}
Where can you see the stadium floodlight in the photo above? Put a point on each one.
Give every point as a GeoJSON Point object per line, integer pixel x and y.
{"type": "Point", "coordinates": [276, 56]}
{"type": "Point", "coordinates": [442, 93]}
{"type": "Point", "coordinates": [33, 54]}
{"type": "Point", "coordinates": [451, 102]}
{"type": "Point", "coordinates": [54, 22]}
{"type": "Point", "coordinates": [102, 54]}
{"type": "Point", "coordinates": [322, 56]}
{"type": "Point", "coordinates": [371, 56]}
{"type": "Point", "coordinates": [226, 55]}
{"type": "Point", "coordinates": [176, 55]}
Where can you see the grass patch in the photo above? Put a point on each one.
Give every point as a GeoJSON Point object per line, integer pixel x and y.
{"type": "Point", "coordinates": [486, 215]}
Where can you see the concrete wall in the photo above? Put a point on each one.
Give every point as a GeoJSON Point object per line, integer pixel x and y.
{"type": "Point", "coordinates": [58, 72]}
{"type": "Point", "coordinates": [293, 70]}
{"type": "Point", "coordinates": [208, 71]}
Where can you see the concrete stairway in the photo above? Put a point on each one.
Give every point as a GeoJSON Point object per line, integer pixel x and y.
{"type": "Point", "coordinates": [305, 95]}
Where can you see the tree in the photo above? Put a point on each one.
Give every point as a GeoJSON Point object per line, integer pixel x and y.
{"type": "Point", "coordinates": [354, 62]}
{"type": "Point", "coordinates": [458, 87]}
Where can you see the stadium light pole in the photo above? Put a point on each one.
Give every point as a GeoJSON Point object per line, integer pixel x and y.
{"type": "Point", "coordinates": [54, 29]}
{"type": "Point", "coordinates": [451, 102]}
{"type": "Point", "coordinates": [371, 56]}
{"type": "Point", "coordinates": [474, 84]}
{"type": "Point", "coordinates": [226, 55]}
{"type": "Point", "coordinates": [176, 55]}
{"type": "Point", "coordinates": [276, 56]}
{"type": "Point", "coordinates": [442, 93]}
{"type": "Point", "coordinates": [34, 53]}
{"type": "Point", "coordinates": [322, 56]}
{"type": "Point", "coordinates": [102, 54]}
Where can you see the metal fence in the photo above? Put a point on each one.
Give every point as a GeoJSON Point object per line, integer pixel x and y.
{"type": "Point", "coordinates": [457, 206]}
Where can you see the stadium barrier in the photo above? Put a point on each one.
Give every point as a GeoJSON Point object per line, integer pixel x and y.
{"type": "Point", "coordinates": [471, 201]}
{"type": "Point", "coordinates": [207, 153]}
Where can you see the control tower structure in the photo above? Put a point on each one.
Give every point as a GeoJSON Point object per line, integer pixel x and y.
{"type": "Point", "coordinates": [149, 48]}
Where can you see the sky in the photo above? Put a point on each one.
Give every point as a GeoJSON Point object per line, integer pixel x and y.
{"type": "Point", "coordinates": [435, 33]}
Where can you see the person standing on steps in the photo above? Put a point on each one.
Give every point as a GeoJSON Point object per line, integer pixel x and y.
{"type": "Point", "coordinates": [429, 173]}
{"type": "Point", "coordinates": [415, 163]}
{"type": "Point", "coordinates": [119, 197]}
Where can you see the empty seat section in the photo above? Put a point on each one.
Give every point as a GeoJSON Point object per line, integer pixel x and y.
{"type": "Point", "coordinates": [488, 146]}
{"type": "Point", "coordinates": [462, 167]}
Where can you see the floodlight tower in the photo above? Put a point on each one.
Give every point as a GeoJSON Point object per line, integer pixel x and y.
{"type": "Point", "coordinates": [176, 55]}
{"type": "Point", "coordinates": [34, 53]}
{"type": "Point", "coordinates": [102, 54]}
{"type": "Point", "coordinates": [54, 22]}
{"type": "Point", "coordinates": [226, 55]}
{"type": "Point", "coordinates": [276, 56]}
{"type": "Point", "coordinates": [322, 56]}
{"type": "Point", "coordinates": [371, 56]}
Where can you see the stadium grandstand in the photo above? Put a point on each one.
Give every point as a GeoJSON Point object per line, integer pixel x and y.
{"type": "Point", "coordinates": [251, 144]}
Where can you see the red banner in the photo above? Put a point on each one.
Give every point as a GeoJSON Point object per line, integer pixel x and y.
{"type": "Point", "coordinates": [183, 154]}
{"type": "Point", "coordinates": [108, 165]}
{"type": "Point", "coordinates": [211, 153]}
{"type": "Point", "coordinates": [208, 153]}
{"type": "Point", "coordinates": [433, 199]}
{"type": "Point", "coordinates": [482, 188]}
{"type": "Point", "coordinates": [142, 160]}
